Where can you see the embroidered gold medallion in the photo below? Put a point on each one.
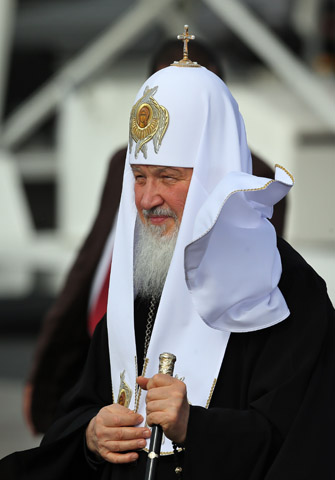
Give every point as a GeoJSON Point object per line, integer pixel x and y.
{"type": "Point", "coordinates": [148, 121]}
{"type": "Point", "coordinates": [125, 392]}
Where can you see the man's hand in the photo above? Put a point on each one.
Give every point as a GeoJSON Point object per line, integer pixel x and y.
{"type": "Point", "coordinates": [167, 405]}
{"type": "Point", "coordinates": [112, 434]}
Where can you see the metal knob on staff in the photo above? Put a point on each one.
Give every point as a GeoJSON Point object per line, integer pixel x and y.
{"type": "Point", "coordinates": [166, 366]}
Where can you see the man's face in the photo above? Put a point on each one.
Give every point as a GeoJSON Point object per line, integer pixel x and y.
{"type": "Point", "coordinates": [160, 194]}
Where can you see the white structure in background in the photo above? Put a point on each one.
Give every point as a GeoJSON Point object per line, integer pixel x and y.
{"type": "Point", "coordinates": [282, 130]}
{"type": "Point", "coordinates": [93, 124]}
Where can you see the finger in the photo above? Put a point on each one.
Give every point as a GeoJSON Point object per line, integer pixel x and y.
{"type": "Point", "coordinates": [119, 409]}
{"type": "Point", "coordinates": [173, 392]}
{"type": "Point", "coordinates": [119, 418]}
{"type": "Point", "coordinates": [142, 382]}
{"type": "Point", "coordinates": [168, 412]}
{"type": "Point", "coordinates": [159, 417]}
{"type": "Point", "coordinates": [113, 457]}
{"type": "Point", "coordinates": [125, 445]}
{"type": "Point", "coordinates": [160, 380]}
{"type": "Point", "coordinates": [159, 406]}
{"type": "Point", "coordinates": [125, 434]}
{"type": "Point", "coordinates": [161, 393]}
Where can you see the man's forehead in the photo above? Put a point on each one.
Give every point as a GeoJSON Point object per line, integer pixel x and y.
{"type": "Point", "coordinates": [158, 168]}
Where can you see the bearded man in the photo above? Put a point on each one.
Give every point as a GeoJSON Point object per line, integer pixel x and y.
{"type": "Point", "coordinates": [198, 271]}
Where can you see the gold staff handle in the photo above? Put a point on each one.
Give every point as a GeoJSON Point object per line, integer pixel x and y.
{"type": "Point", "coordinates": [166, 366]}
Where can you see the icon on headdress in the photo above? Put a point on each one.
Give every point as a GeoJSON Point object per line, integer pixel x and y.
{"type": "Point", "coordinates": [148, 121]}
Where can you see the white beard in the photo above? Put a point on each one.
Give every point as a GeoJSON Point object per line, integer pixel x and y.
{"type": "Point", "coordinates": [153, 254]}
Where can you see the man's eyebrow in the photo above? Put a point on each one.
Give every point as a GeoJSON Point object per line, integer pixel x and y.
{"type": "Point", "coordinates": [158, 169]}
{"type": "Point", "coordinates": [167, 169]}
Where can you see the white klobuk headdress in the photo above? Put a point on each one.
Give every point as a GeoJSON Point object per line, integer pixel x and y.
{"type": "Point", "coordinates": [225, 269]}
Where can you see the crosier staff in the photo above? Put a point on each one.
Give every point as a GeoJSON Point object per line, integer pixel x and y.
{"type": "Point", "coordinates": [166, 366]}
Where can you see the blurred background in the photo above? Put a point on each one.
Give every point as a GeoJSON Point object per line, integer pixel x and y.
{"type": "Point", "coordinates": [69, 72]}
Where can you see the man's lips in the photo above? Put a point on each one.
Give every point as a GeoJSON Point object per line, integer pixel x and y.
{"type": "Point", "coordinates": [157, 219]}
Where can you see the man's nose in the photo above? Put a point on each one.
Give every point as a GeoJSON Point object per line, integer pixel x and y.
{"type": "Point", "coordinates": [151, 196]}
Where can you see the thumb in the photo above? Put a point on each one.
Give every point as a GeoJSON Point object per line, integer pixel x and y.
{"type": "Point", "coordinates": [142, 382]}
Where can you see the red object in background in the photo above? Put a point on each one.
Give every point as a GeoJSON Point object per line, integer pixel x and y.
{"type": "Point", "coordinates": [100, 307]}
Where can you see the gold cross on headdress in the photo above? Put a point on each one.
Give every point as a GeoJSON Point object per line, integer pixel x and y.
{"type": "Point", "coordinates": [186, 38]}
{"type": "Point", "coordinates": [185, 62]}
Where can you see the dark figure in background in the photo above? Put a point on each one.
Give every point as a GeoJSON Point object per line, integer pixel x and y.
{"type": "Point", "coordinates": [64, 339]}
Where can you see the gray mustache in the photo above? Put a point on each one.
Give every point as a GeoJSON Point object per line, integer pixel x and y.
{"type": "Point", "coordinates": [157, 211]}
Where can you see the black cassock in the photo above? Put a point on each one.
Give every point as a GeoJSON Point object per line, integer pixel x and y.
{"type": "Point", "coordinates": [271, 416]}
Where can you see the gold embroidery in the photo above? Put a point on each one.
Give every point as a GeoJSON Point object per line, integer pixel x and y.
{"type": "Point", "coordinates": [125, 392]}
{"type": "Point", "coordinates": [148, 121]}
{"type": "Point", "coordinates": [211, 393]}
{"type": "Point", "coordinates": [138, 389]}
{"type": "Point", "coordinates": [286, 171]}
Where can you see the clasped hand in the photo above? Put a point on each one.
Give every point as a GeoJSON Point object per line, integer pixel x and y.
{"type": "Point", "coordinates": [114, 434]}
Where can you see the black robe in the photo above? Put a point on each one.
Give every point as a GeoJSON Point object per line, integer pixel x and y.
{"type": "Point", "coordinates": [63, 342]}
{"type": "Point", "coordinates": [271, 416]}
